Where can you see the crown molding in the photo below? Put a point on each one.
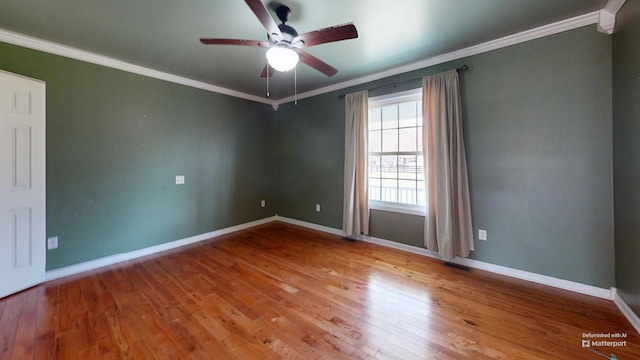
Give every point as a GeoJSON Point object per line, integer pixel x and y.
{"type": "Point", "coordinates": [613, 6]}
{"type": "Point", "coordinates": [607, 16]}
{"type": "Point", "coordinates": [527, 35]}
{"type": "Point", "coordinates": [30, 42]}
{"type": "Point", "coordinates": [524, 36]}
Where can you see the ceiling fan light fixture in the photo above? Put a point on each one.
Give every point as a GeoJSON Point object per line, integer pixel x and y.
{"type": "Point", "coordinates": [282, 58]}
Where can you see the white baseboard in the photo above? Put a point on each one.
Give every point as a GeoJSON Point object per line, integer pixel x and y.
{"type": "Point", "coordinates": [626, 310]}
{"type": "Point", "coordinates": [537, 278]}
{"type": "Point", "coordinates": [476, 264]}
{"type": "Point", "coordinates": [113, 259]}
{"type": "Point", "coordinates": [309, 225]}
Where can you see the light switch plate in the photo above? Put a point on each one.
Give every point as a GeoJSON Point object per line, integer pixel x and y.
{"type": "Point", "coordinates": [52, 243]}
{"type": "Point", "coordinates": [180, 179]}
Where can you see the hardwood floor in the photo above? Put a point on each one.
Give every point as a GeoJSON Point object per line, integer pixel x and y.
{"type": "Point", "coordinates": [280, 291]}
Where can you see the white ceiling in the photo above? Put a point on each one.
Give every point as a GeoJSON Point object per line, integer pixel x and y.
{"type": "Point", "coordinates": [163, 34]}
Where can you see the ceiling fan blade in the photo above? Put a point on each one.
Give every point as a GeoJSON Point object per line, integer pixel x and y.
{"type": "Point", "coordinates": [330, 34]}
{"type": "Point", "coordinates": [265, 18]}
{"type": "Point", "coordinates": [269, 69]}
{"type": "Point", "coordinates": [207, 41]}
{"type": "Point", "coordinates": [316, 63]}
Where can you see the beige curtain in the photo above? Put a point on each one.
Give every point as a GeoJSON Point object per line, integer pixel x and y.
{"type": "Point", "coordinates": [448, 227]}
{"type": "Point", "coordinates": [355, 218]}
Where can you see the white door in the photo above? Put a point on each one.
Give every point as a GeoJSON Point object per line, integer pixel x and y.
{"type": "Point", "coordinates": [22, 183]}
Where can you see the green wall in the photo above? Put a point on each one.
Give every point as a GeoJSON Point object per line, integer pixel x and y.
{"type": "Point", "coordinates": [311, 160]}
{"type": "Point", "coordinates": [400, 227]}
{"type": "Point", "coordinates": [538, 136]}
{"type": "Point", "coordinates": [626, 151]}
{"type": "Point", "coordinates": [539, 141]}
{"type": "Point", "coordinates": [116, 141]}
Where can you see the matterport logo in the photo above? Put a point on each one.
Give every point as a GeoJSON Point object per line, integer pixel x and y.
{"type": "Point", "coordinates": [600, 340]}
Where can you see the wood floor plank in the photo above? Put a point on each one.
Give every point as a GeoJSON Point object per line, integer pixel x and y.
{"type": "Point", "coordinates": [282, 291]}
{"type": "Point", "coordinates": [9, 321]}
{"type": "Point", "coordinates": [282, 322]}
{"type": "Point", "coordinates": [24, 347]}
{"type": "Point", "coordinates": [3, 305]}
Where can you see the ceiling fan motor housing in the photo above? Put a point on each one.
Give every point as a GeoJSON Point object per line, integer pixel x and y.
{"type": "Point", "coordinates": [288, 35]}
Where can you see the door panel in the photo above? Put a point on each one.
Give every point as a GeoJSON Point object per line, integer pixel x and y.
{"type": "Point", "coordinates": [22, 183]}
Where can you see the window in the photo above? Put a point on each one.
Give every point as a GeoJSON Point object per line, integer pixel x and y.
{"type": "Point", "coordinates": [396, 167]}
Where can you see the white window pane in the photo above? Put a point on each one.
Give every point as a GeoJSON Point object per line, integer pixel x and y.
{"type": "Point", "coordinates": [375, 189]}
{"type": "Point", "coordinates": [419, 105]}
{"type": "Point", "coordinates": [390, 117]}
{"type": "Point", "coordinates": [407, 192]}
{"type": "Point", "coordinates": [389, 166]}
{"type": "Point", "coordinates": [407, 113]}
{"type": "Point", "coordinates": [374, 166]}
{"type": "Point", "coordinates": [420, 167]}
{"type": "Point", "coordinates": [408, 139]}
{"type": "Point", "coordinates": [407, 167]}
{"type": "Point", "coordinates": [419, 130]}
{"type": "Point", "coordinates": [389, 190]}
{"type": "Point", "coordinates": [422, 193]}
{"type": "Point", "coordinates": [375, 141]}
{"type": "Point", "coordinates": [375, 119]}
{"type": "Point", "coordinates": [390, 140]}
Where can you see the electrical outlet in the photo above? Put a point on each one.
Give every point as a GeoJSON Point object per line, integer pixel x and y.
{"type": "Point", "coordinates": [52, 243]}
{"type": "Point", "coordinates": [179, 179]}
{"type": "Point", "coordinates": [318, 207]}
{"type": "Point", "coordinates": [263, 203]}
{"type": "Point", "coordinates": [482, 234]}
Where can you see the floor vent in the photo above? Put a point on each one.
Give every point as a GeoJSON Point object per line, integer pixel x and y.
{"type": "Point", "coordinates": [349, 239]}
{"type": "Point", "coordinates": [457, 266]}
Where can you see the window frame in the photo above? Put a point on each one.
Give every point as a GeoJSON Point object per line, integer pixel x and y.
{"type": "Point", "coordinates": [395, 99]}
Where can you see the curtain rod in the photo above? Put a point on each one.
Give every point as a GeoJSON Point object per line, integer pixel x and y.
{"type": "Point", "coordinates": [461, 68]}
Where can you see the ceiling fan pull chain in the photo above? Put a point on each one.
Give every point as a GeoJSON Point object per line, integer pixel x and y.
{"type": "Point", "coordinates": [295, 85]}
{"type": "Point", "coordinates": [268, 79]}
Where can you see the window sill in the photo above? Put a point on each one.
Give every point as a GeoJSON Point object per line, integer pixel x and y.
{"type": "Point", "coordinates": [398, 208]}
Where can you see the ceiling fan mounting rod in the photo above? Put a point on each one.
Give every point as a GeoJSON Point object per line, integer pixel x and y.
{"type": "Point", "coordinates": [283, 12]}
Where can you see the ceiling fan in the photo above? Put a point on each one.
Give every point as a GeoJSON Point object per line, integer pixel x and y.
{"type": "Point", "coordinates": [284, 44]}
